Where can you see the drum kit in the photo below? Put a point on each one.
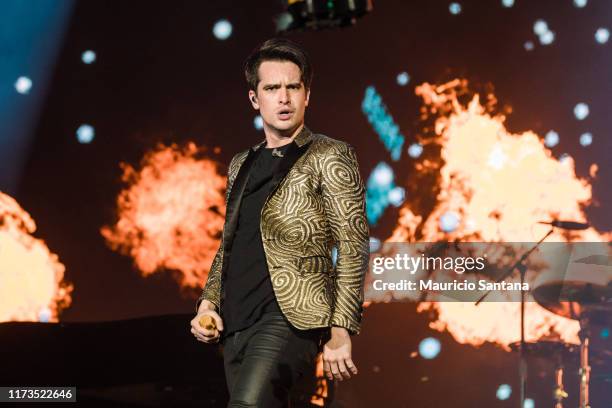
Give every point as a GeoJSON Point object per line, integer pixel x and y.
{"type": "Point", "coordinates": [585, 297]}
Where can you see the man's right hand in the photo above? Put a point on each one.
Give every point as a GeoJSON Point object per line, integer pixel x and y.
{"type": "Point", "coordinates": [201, 334]}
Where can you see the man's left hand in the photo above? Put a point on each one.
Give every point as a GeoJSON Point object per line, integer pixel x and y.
{"type": "Point", "coordinates": [337, 362]}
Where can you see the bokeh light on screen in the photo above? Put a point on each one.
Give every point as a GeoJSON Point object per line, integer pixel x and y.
{"type": "Point", "coordinates": [581, 111]}
{"type": "Point", "coordinates": [503, 392]}
{"type": "Point", "coordinates": [397, 196]}
{"type": "Point", "coordinates": [454, 8]}
{"type": "Point", "coordinates": [85, 133]}
{"type": "Point", "coordinates": [403, 78]}
{"type": "Point", "coordinates": [88, 57]}
{"type": "Point", "coordinates": [580, 3]}
{"type": "Point", "coordinates": [586, 139]}
{"type": "Point", "coordinates": [602, 35]}
{"type": "Point", "coordinates": [449, 221]}
{"type": "Point", "coordinates": [23, 85]}
{"type": "Point", "coordinates": [429, 348]}
{"type": "Point", "coordinates": [529, 403]}
{"type": "Point", "coordinates": [507, 3]}
{"type": "Point", "coordinates": [551, 139]}
{"type": "Point", "coordinates": [222, 29]}
{"type": "Point", "coordinates": [540, 27]}
{"type": "Point", "coordinates": [415, 150]}
{"type": "Point", "coordinates": [258, 122]}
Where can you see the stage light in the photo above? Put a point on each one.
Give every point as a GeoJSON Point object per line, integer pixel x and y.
{"type": "Point", "coordinates": [23, 85]}
{"type": "Point", "coordinates": [508, 3]}
{"type": "Point", "coordinates": [586, 139]}
{"type": "Point", "coordinates": [415, 150]}
{"type": "Point", "coordinates": [455, 8]}
{"type": "Point", "coordinates": [403, 78]}
{"type": "Point", "coordinates": [396, 196]}
{"type": "Point", "coordinates": [602, 35]}
{"type": "Point", "coordinates": [551, 139]}
{"type": "Point", "coordinates": [319, 14]}
{"type": "Point", "coordinates": [222, 29]}
{"type": "Point", "coordinates": [547, 38]}
{"type": "Point", "coordinates": [88, 57]}
{"type": "Point", "coordinates": [503, 392]}
{"type": "Point", "coordinates": [449, 221]}
{"type": "Point", "coordinates": [580, 3]}
{"type": "Point", "coordinates": [581, 111]}
{"type": "Point", "coordinates": [529, 403]}
{"type": "Point", "coordinates": [540, 27]}
{"type": "Point", "coordinates": [258, 122]}
{"type": "Point", "coordinates": [528, 45]}
{"type": "Point", "coordinates": [374, 244]}
{"type": "Point", "coordinates": [429, 348]}
{"type": "Point", "coordinates": [85, 133]}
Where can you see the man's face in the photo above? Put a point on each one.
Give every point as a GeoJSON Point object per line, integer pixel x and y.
{"type": "Point", "coordinates": [281, 97]}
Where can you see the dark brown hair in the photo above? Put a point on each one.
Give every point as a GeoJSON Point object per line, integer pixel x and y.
{"type": "Point", "coordinates": [277, 49]}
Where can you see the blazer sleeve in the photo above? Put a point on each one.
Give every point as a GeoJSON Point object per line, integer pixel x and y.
{"type": "Point", "coordinates": [212, 288]}
{"type": "Point", "coordinates": [343, 195]}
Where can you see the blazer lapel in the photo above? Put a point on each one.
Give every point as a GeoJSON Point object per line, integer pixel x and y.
{"type": "Point", "coordinates": [235, 199]}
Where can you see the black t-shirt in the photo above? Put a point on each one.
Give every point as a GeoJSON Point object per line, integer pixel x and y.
{"type": "Point", "coordinates": [247, 285]}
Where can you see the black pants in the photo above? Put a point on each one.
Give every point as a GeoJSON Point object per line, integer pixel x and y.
{"type": "Point", "coordinates": [264, 361]}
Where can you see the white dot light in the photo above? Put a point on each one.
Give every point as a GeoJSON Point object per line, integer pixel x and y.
{"type": "Point", "coordinates": [429, 348]}
{"type": "Point", "coordinates": [529, 403]}
{"type": "Point", "coordinates": [565, 158]}
{"type": "Point", "coordinates": [383, 174]}
{"type": "Point", "coordinates": [528, 45]}
{"type": "Point", "coordinates": [258, 122]}
{"type": "Point", "coordinates": [374, 244]}
{"type": "Point", "coordinates": [586, 139]}
{"type": "Point", "coordinates": [602, 35]}
{"type": "Point", "coordinates": [551, 139]}
{"type": "Point", "coordinates": [507, 3]}
{"type": "Point", "coordinates": [580, 3]}
{"type": "Point", "coordinates": [23, 85]}
{"type": "Point", "coordinates": [540, 27]}
{"type": "Point", "coordinates": [222, 29]}
{"type": "Point", "coordinates": [449, 221]}
{"type": "Point", "coordinates": [547, 38]}
{"type": "Point", "coordinates": [415, 150]}
{"type": "Point", "coordinates": [403, 78]}
{"type": "Point", "coordinates": [88, 57]}
{"type": "Point", "coordinates": [581, 111]}
{"type": "Point", "coordinates": [396, 196]}
{"type": "Point", "coordinates": [455, 8]}
{"type": "Point", "coordinates": [85, 133]}
{"type": "Point", "coordinates": [44, 315]}
{"type": "Point", "coordinates": [503, 392]}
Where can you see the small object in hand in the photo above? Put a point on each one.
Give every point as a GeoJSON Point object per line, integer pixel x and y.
{"type": "Point", "coordinates": [208, 322]}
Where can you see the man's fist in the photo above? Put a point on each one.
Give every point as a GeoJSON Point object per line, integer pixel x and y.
{"type": "Point", "coordinates": [210, 335]}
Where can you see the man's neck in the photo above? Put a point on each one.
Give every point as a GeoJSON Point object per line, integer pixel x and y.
{"type": "Point", "coordinates": [276, 139]}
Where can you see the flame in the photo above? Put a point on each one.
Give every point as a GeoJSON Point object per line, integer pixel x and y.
{"type": "Point", "coordinates": [500, 184]}
{"type": "Point", "coordinates": [32, 286]}
{"type": "Point", "coordinates": [171, 213]}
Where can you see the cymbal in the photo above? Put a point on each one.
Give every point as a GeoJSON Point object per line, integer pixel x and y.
{"type": "Point", "coordinates": [575, 299]}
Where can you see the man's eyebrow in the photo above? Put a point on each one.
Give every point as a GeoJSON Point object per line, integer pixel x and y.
{"type": "Point", "coordinates": [277, 85]}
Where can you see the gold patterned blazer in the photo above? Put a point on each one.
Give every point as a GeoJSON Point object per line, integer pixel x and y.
{"type": "Point", "coordinates": [317, 201]}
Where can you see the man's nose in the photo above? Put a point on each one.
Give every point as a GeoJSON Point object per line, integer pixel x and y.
{"type": "Point", "coordinates": [284, 95]}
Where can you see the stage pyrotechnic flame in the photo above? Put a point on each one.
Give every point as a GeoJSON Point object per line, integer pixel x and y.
{"type": "Point", "coordinates": [32, 286]}
{"type": "Point", "coordinates": [494, 186]}
{"type": "Point", "coordinates": [170, 215]}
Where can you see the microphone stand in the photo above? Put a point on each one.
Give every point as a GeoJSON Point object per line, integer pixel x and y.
{"type": "Point", "coordinates": [522, 268]}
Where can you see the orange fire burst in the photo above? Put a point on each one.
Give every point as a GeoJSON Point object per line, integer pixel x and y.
{"type": "Point", "coordinates": [171, 213]}
{"type": "Point", "coordinates": [32, 286]}
{"type": "Point", "coordinates": [499, 185]}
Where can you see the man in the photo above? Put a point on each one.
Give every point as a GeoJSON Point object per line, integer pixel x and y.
{"type": "Point", "coordinates": [272, 289]}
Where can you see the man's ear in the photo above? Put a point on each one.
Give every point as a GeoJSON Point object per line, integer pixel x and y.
{"type": "Point", "coordinates": [253, 99]}
{"type": "Point", "coordinates": [307, 97]}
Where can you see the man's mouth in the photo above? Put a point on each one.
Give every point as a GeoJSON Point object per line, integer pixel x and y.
{"type": "Point", "coordinates": [285, 114]}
